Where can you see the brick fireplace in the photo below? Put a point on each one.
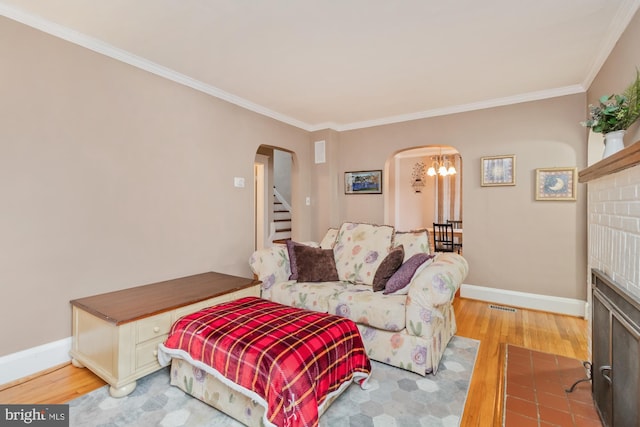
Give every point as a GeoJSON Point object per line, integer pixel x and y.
{"type": "Point", "coordinates": [614, 259]}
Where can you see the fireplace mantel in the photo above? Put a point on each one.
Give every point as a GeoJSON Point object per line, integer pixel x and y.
{"type": "Point", "coordinates": [626, 158]}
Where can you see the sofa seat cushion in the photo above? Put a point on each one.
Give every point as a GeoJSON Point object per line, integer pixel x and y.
{"type": "Point", "coordinates": [309, 295]}
{"type": "Point", "coordinates": [360, 304]}
{"type": "Point", "coordinates": [360, 249]}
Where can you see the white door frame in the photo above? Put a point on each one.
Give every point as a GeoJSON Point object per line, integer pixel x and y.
{"type": "Point", "coordinates": [261, 218]}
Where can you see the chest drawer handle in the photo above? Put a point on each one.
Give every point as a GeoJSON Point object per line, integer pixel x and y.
{"type": "Point", "coordinates": [156, 329]}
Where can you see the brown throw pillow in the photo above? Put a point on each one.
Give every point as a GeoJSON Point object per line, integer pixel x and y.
{"type": "Point", "coordinates": [387, 267]}
{"type": "Point", "coordinates": [315, 264]}
{"type": "Point", "coordinates": [292, 259]}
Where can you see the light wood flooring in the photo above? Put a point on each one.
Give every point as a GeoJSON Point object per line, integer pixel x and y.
{"type": "Point", "coordinates": [546, 332]}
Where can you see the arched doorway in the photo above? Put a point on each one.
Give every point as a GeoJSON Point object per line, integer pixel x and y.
{"type": "Point", "coordinates": [438, 199]}
{"type": "Point", "coordinates": [272, 196]}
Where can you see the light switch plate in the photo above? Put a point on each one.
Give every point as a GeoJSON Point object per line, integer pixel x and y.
{"type": "Point", "coordinates": [238, 182]}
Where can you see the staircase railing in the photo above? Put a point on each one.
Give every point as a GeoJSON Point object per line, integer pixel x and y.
{"type": "Point", "coordinates": [281, 199]}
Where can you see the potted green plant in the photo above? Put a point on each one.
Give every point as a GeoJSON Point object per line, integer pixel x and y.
{"type": "Point", "coordinates": [613, 115]}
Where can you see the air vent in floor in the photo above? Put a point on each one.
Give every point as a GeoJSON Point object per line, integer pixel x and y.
{"type": "Point", "coordinates": [503, 308]}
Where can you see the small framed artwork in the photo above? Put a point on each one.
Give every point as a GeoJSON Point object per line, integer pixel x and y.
{"type": "Point", "coordinates": [498, 170]}
{"type": "Point", "coordinates": [556, 183]}
{"type": "Point", "coordinates": [363, 182]}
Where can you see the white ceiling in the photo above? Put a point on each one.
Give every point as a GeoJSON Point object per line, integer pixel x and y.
{"type": "Point", "coordinates": [347, 64]}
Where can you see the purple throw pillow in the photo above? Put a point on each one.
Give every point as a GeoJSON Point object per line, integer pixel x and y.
{"type": "Point", "coordinates": [399, 282]}
{"type": "Point", "coordinates": [387, 268]}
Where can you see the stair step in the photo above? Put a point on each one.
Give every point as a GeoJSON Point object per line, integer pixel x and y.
{"type": "Point", "coordinates": [284, 241]}
{"type": "Point", "coordinates": [279, 235]}
{"type": "Point", "coordinates": [281, 221]}
{"type": "Point", "coordinates": [282, 224]}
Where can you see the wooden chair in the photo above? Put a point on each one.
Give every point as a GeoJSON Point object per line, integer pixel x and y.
{"type": "Point", "coordinates": [443, 237]}
{"type": "Point", "coordinates": [457, 224]}
{"type": "Point", "coordinates": [457, 241]}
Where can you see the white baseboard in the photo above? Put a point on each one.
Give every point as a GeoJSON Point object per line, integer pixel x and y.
{"type": "Point", "coordinates": [33, 360]}
{"type": "Point", "coordinates": [568, 306]}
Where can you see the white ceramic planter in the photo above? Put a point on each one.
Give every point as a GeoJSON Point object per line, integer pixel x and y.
{"type": "Point", "coordinates": [613, 142]}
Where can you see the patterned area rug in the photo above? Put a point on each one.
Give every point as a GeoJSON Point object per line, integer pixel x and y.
{"type": "Point", "coordinates": [396, 398]}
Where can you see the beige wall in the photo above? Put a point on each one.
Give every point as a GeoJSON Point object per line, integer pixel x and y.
{"type": "Point", "coordinates": [111, 177]}
{"type": "Point", "coordinates": [511, 241]}
{"type": "Point", "coordinates": [618, 72]}
{"type": "Point", "coordinates": [417, 208]}
{"type": "Point", "coordinates": [325, 186]}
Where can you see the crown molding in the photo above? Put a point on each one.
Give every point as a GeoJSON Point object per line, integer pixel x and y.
{"type": "Point", "coordinates": [324, 126]}
{"type": "Point", "coordinates": [481, 105]}
{"type": "Point", "coordinates": [106, 49]}
{"type": "Point", "coordinates": [618, 25]}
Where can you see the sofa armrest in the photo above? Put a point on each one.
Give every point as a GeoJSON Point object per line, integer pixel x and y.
{"type": "Point", "coordinates": [440, 280]}
{"type": "Point", "coordinates": [271, 265]}
{"type": "Point", "coordinates": [434, 286]}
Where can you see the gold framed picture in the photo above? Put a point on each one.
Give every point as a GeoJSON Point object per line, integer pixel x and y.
{"type": "Point", "coordinates": [556, 183]}
{"type": "Point", "coordinates": [498, 170]}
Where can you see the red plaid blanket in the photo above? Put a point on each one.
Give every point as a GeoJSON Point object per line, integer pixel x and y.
{"type": "Point", "coordinates": [290, 357]}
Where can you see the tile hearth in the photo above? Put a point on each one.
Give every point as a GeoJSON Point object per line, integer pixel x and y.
{"type": "Point", "coordinates": [535, 391]}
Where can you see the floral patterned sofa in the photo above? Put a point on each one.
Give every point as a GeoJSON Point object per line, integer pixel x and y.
{"type": "Point", "coordinates": [409, 328]}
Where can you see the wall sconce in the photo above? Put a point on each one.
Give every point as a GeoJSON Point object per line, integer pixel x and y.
{"type": "Point", "coordinates": [443, 167]}
{"type": "Point", "coordinates": [417, 177]}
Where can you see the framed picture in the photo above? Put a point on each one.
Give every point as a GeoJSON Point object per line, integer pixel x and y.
{"type": "Point", "coordinates": [556, 183]}
{"type": "Point", "coordinates": [363, 182]}
{"type": "Point", "coordinates": [498, 170]}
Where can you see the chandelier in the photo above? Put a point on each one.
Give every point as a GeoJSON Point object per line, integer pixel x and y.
{"type": "Point", "coordinates": [441, 166]}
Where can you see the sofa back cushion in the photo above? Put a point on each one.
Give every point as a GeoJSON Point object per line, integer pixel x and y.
{"type": "Point", "coordinates": [413, 242]}
{"type": "Point", "coordinates": [329, 239]}
{"type": "Point", "coordinates": [359, 250]}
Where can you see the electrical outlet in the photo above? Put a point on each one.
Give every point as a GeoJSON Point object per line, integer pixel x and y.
{"type": "Point", "coordinates": [308, 201]}
{"type": "Point", "coordinates": [238, 182]}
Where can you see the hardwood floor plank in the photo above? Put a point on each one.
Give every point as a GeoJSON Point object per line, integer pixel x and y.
{"type": "Point", "coordinates": [550, 333]}
{"type": "Point", "coordinates": [59, 386]}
